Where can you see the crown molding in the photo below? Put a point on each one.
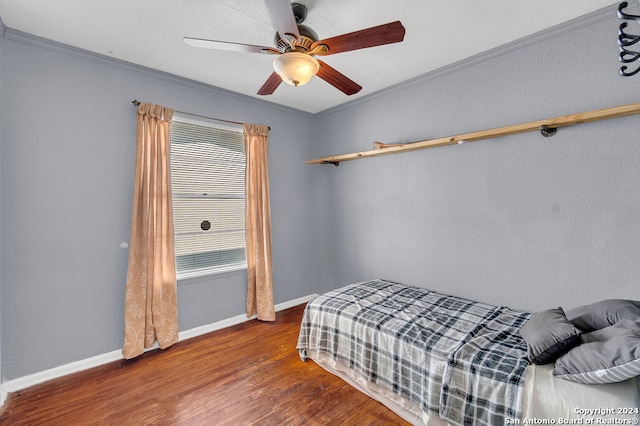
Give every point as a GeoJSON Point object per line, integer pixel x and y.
{"type": "Point", "coordinates": [608, 12]}
{"type": "Point", "coordinates": [32, 40]}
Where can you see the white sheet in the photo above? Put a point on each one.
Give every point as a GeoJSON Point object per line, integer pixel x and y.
{"type": "Point", "coordinates": [546, 399]}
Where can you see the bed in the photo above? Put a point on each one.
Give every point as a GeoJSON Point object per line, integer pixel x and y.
{"type": "Point", "coordinates": [437, 359]}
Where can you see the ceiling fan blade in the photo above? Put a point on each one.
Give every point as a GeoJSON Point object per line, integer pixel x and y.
{"type": "Point", "coordinates": [271, 84]}
{"type": "Point", "coordinates": [393, 32]}
{"type": "Point", "coordinates": [282, 17]}
{"type": "Point", "coordinates": [337, 79]}
{"type": "Point", "coordinates": [226, 45]}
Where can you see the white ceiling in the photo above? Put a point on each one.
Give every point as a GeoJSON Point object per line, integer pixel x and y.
{"type": "Point", "coordinates": [150, 32]}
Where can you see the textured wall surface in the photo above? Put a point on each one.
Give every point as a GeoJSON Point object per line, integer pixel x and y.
{"type": "Point", "coordinates": [523, 221]}
{"type": "Point", "coordinates": [68, 147]}
{"type": "Point", "coordinates": [2, 30]}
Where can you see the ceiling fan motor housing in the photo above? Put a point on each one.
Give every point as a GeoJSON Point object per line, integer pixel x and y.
{"type": "Point", "coordinates": [303, 43]}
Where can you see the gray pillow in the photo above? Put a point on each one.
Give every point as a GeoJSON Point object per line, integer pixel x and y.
{"type": "Point", "coordinates": [608, 355]}
{"type": "Point", "coordinates": [548, 334]}
{"type": "Point", "coordinates": [603, 314]}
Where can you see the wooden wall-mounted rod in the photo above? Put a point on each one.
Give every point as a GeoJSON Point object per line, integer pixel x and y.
{"type": "Point", "coordinates": [542, 125]}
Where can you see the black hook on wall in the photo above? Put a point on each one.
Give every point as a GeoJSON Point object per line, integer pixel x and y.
{"type": "Point", "coordinates": [625, 40]}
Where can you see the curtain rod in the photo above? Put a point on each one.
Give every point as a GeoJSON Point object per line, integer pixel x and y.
{"type": "Point", "coordinates": [136, 102]}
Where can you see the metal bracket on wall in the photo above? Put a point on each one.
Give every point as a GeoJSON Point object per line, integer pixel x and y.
{"type": "Point", "coordinates": [547, 132]}
{"type": "Point", "coordinates": [335, 163]}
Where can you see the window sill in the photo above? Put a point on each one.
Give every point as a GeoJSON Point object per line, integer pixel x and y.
{"type": "Point", "coordinates": [211, 271]}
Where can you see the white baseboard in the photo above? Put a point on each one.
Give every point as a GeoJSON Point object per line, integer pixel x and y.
{"type": "Point", "coordinates": [95, 361]}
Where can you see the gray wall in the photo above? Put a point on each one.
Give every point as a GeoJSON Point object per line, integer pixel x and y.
{"type": "Point", "coordinates": [523, 221]}
{"type": "Point", "coordinates": [68, 147]}
{"type": "Point", "coordinates": [2, 30]}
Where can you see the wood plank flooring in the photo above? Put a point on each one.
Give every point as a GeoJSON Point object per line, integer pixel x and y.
{"type": "Point", "coordinates": [248, 374]}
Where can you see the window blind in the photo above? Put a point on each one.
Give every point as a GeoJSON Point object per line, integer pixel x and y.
{"type": "Point", "coordinates": [208, 186]}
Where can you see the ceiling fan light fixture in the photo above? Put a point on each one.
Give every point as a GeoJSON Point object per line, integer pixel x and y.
{"type": "Point", "coordinates": [296, 68]}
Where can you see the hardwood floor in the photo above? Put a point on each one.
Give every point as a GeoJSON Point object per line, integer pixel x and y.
{"type": "Point", "coordinates": [248, 374]}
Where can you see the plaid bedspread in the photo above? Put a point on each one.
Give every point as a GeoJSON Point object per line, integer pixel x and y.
{"type": "Point", "coordinates": [461, 360]}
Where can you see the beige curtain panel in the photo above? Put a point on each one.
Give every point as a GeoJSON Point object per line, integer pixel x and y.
{"type": "Point", "coordinates": [258, 224]}
{"type": "Point", "coordinates": [151, 309]}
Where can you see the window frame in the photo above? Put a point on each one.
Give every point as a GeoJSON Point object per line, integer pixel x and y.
{"type": "Point", "coordinates": [210, 270]}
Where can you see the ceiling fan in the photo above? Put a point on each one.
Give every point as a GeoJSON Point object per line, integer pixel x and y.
{"type": "Point", "coordinates": [297, 45]}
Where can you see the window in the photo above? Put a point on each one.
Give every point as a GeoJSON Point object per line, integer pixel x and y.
{"type": "Point", "coordinates": [207, 180]}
